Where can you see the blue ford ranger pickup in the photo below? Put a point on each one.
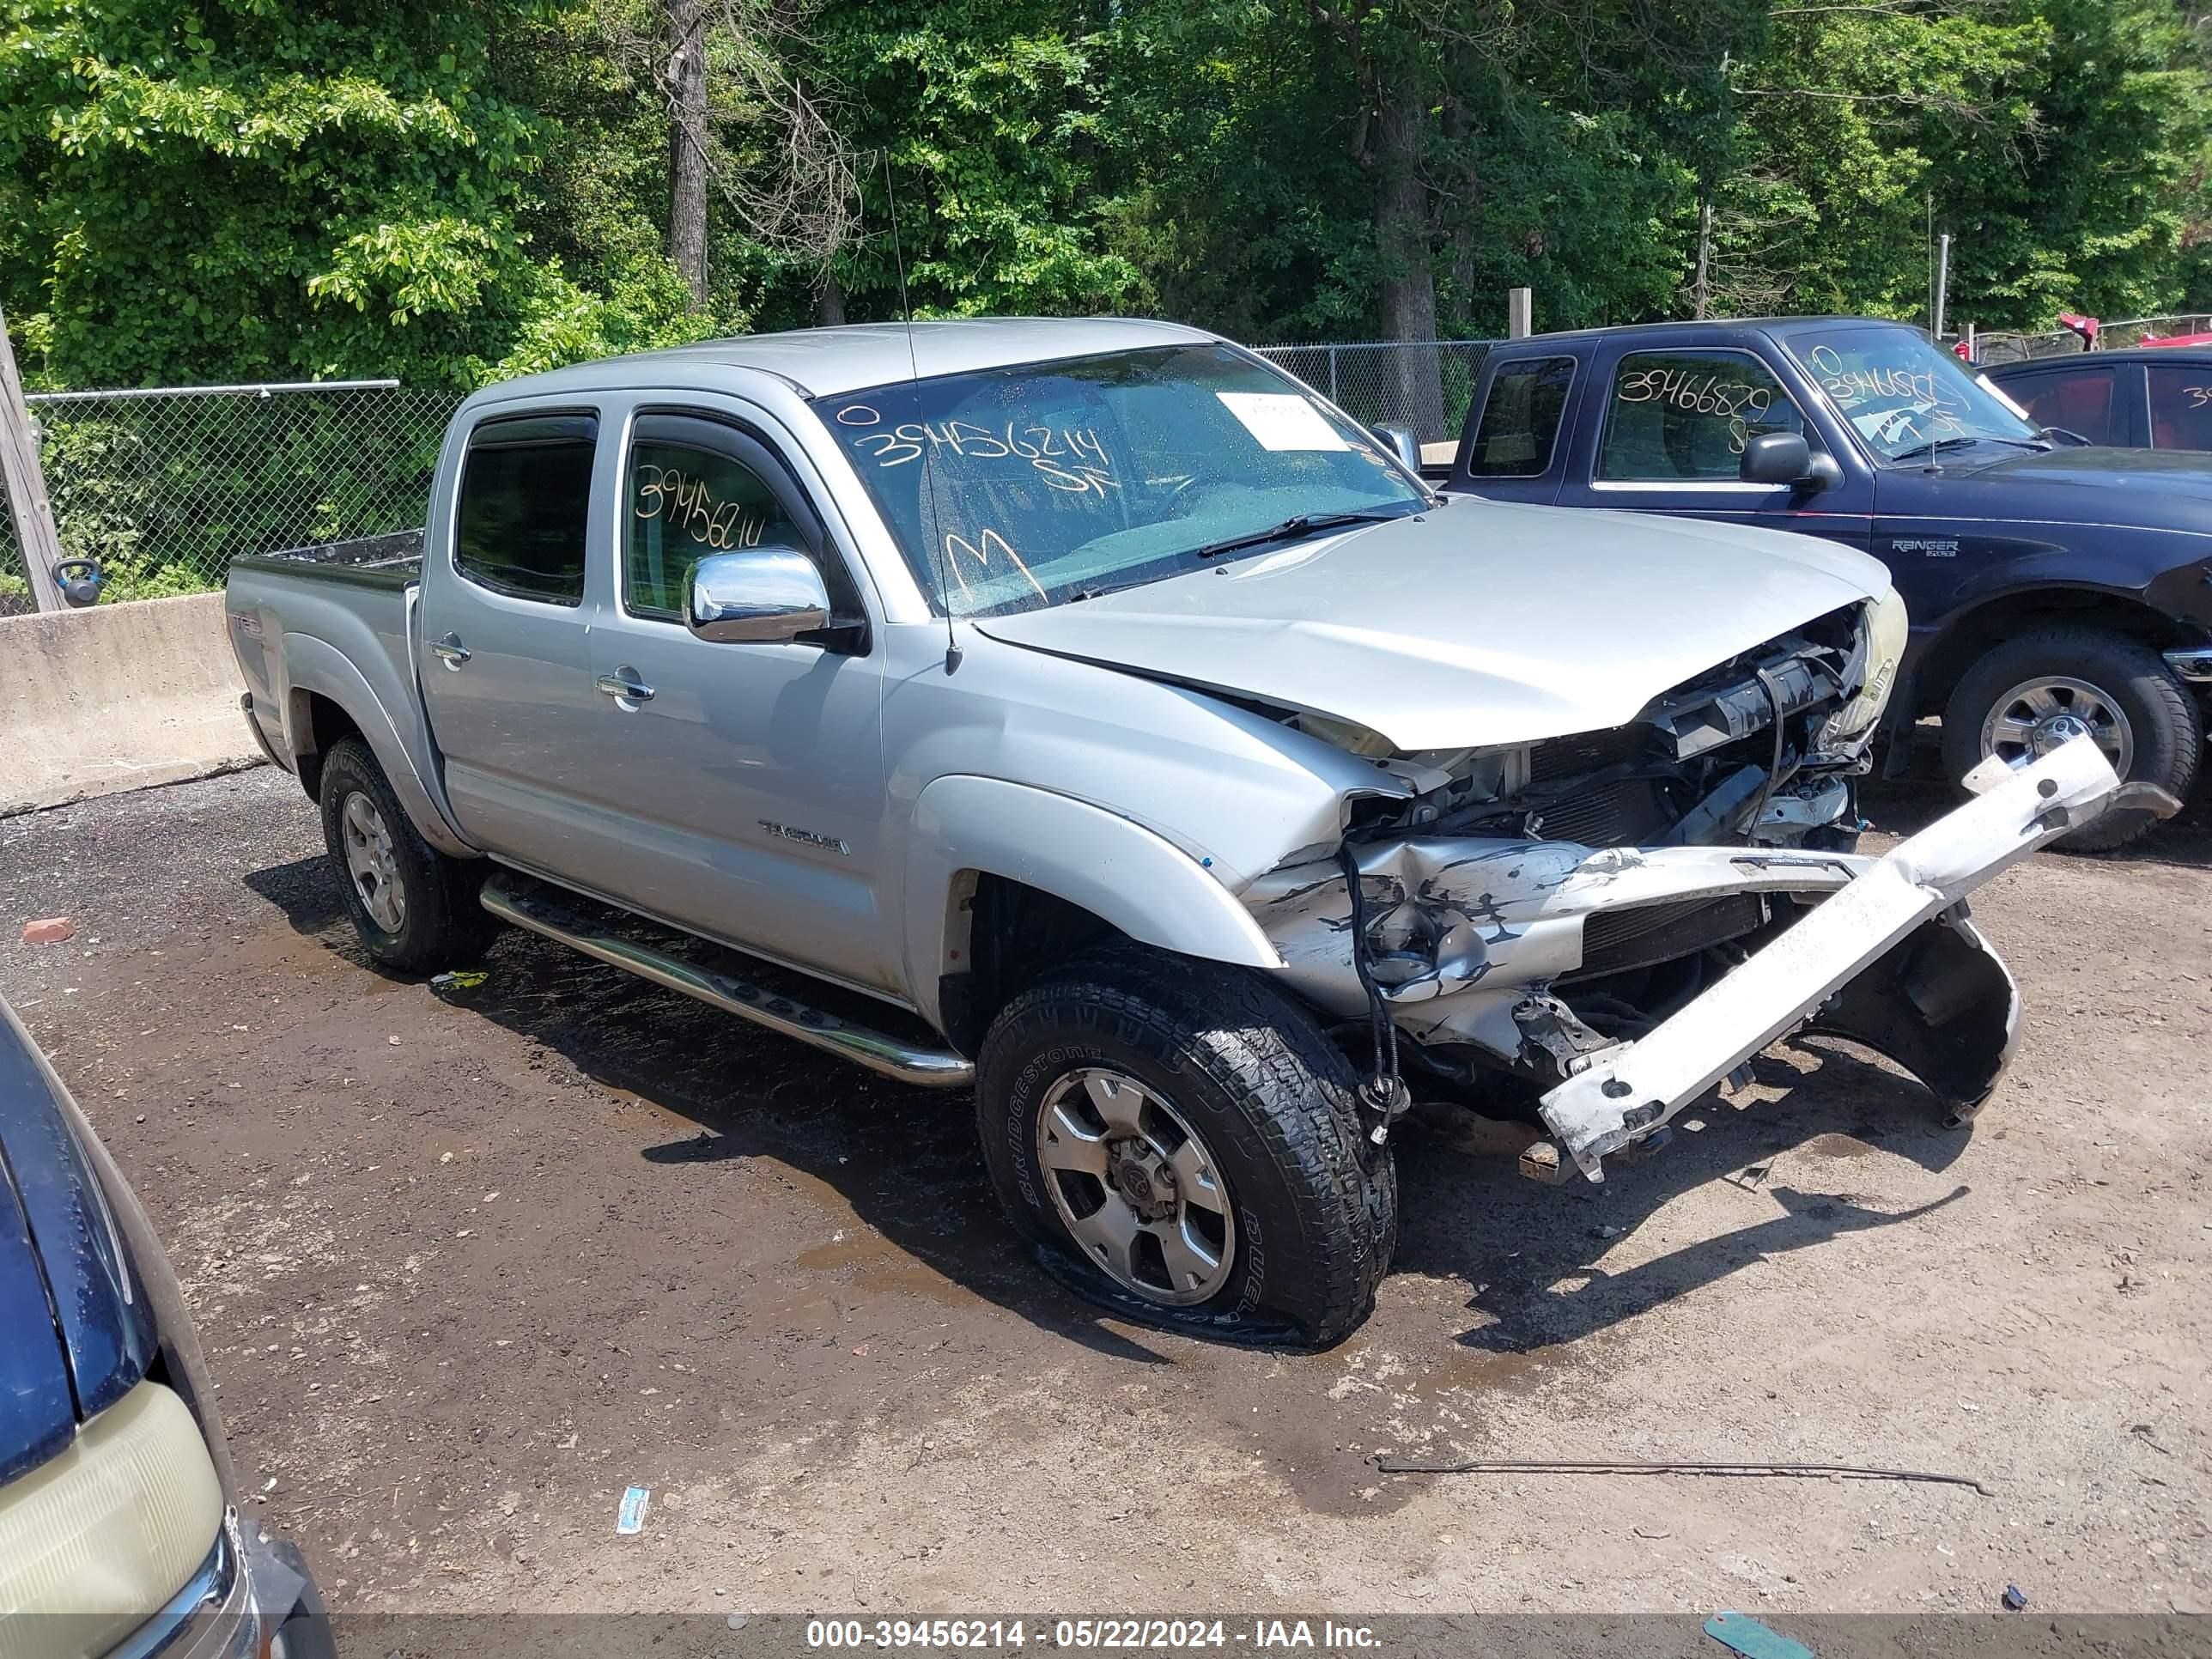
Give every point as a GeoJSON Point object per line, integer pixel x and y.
{"type": "Point", "coordinates": [2054, 589]}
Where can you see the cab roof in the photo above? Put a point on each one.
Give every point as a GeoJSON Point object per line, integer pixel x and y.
{"type": "Point", "coordinates": [825, 361]}
{"type": "Point", "coordinates": [1711, 325]}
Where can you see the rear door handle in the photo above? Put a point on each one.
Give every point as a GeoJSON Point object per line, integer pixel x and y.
{"type": "Point", "coordinates": [627, 691]}
{"type": "Point", "coordinates": [450, 651]}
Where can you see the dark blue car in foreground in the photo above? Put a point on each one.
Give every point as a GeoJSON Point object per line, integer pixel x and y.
{"type": "Point", "coordinates": [2054, 589]}
{"type": "Point", "coordinates": [119, 1528]}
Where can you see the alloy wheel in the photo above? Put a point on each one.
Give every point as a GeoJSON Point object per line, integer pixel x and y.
{"type": "Point", "coordinates": [372, 862]}
{"type": "Point", "coordinates": [2038, 715]}
{"type": "Point", "coordinates": [1136, 1186]}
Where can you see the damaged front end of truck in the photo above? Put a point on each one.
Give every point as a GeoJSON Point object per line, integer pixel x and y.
{"type": "Point", "coordinates": [1605, 925]}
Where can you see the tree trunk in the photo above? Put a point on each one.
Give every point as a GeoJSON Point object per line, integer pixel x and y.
{"type": "Point", "coordinates": [687, 138]}
{"type": "Point", "coordinates": [1412, 391]}
{"type": "Point", "coordinates": [830, 310]}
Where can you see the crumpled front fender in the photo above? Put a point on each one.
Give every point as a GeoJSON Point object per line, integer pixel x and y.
{"type": "Point", "coordinates": [1478, 916]}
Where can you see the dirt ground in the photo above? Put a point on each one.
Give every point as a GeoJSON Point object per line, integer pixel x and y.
{"type": "Point", "coordinates": [470, 1262]}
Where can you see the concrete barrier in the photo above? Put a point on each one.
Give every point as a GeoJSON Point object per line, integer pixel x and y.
{"type": "Point", "coordinates": [117, 696]}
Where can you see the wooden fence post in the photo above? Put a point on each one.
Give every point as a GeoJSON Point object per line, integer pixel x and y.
{"type": "Point", "coordinates": [25, 483]}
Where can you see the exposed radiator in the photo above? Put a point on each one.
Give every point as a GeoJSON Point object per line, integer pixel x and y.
{"type": "Point", "coordinates": [1614, 941]}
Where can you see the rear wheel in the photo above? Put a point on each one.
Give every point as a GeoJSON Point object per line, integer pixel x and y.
{"type": "Point", "coordinates": [2032, 694]}
{"type": "Point", "coordinates": [1186, 1143]}
{"type": "Point", "coordinates": [415, 909]}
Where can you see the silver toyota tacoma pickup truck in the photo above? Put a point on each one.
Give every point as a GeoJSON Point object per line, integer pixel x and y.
{"type": "Point", "coordinates": [1088, 715]}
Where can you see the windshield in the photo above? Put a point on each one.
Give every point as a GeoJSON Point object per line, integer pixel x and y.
{"type": "Point", "coordinates": [1901, 393]}
{"type": "Point", "coordinates": [1023, 486]}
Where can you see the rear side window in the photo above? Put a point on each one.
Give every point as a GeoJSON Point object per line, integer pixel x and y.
{"type": "Point", "coordinates": [2180, 407]}
{"type": "Point", "coordinates": [2080, 400]}
{"type": "Point", "coordinates": [525, 499]}
{"type": "Point", "coordinates": [1520, 420]}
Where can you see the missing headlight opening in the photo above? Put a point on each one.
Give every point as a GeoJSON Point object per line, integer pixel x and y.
{"type": "Point", "coordinates": [1527, 913]}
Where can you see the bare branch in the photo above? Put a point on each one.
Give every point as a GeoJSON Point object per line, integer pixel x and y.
{"type": "Point", "coordinates": [771, 143]}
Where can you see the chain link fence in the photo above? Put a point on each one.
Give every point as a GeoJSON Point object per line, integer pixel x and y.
{"type": "Point", "coordinates": [1423, 386]}
{"type": "Point", "coordinates": [165, 488]}
{"type": "Point", "coordinates": [2008, 348]}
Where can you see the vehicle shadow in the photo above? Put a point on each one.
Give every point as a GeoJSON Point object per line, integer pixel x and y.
{"type": "Point", "coordinates": [905, 1159]}
{"type": "Point", "coordinates": [304, 890]}
{"type": "Point", "coordinates": [1836, 1117]}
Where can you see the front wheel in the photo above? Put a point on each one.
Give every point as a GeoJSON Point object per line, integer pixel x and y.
{"type": "Point", "coordinates": [2031, 693]}
{"type": "Point", "coordinates": [1187, 1142]}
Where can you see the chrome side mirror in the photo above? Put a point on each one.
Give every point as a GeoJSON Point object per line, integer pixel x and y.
{"type": "Point", "coordinates": [1401, 443]}
{"type": "Point", "coordinates": [767, 595]}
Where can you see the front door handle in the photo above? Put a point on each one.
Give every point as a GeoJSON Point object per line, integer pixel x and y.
{"type": "Point", "coordinates": [450, 651]}
{"type": "Point", "coordinates": [627, 691]}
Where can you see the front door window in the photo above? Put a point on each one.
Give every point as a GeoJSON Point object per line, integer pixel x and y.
{"type": "Point", "coordinates": [1685, 416]}
{"type": "Point", "coordinates": [686, 503]}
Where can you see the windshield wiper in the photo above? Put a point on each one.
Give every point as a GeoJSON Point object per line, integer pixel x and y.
{"type": "Point", "coordinates": [1939, 445]}
{"type": "Point", "coordinates": [1303, 524]}
{"type": "Point", "coordinates": [1934, 447]}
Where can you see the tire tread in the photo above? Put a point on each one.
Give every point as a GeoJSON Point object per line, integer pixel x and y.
{"type": "Point", "coordinates": [1288, 1085]}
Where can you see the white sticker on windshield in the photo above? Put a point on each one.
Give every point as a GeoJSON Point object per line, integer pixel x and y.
{"type": "Point", "coordinates": [1282, 420]}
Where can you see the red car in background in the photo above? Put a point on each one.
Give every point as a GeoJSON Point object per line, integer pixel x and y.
{"type": "Point", "coordinates": [2153, 395]}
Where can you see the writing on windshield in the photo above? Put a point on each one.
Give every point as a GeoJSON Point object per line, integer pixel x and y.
{"type": "Point", "coordinates": [1068, 458]}
{"type": "Point", "coordinates": [1899, 392]}
{"type": "Point", "coordinates": [1041, 482]}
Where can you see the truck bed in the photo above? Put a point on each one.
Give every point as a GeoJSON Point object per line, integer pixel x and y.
{"type": "Point", "coordinates": [335, 620]}
{"type": "Point", "coordinates": [391, 560]}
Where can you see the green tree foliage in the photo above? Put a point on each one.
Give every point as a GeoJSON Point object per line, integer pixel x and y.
{"type": "Point", "coordinates": [990, 128]}
{"type": "Point", "coordinates": [246, 188]}
{"type": "Point", "coordinates": [2063, 143]}
{"type": "Point", "coordinates": [453, 189]}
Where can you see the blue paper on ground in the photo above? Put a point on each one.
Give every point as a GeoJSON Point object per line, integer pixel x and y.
{"type": "Point", "coordinates": [1742, 1633]}
{"type": "Point", "coordinates": [631, 1516]}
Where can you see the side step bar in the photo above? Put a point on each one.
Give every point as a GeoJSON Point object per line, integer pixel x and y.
{"type": "Point", "coordinates": [541, 912]}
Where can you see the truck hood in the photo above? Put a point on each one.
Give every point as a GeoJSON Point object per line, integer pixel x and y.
{"type": "Point", "coordinates": [1477, 623]}
{"type": "Point", "coordinates": [2156, 471]}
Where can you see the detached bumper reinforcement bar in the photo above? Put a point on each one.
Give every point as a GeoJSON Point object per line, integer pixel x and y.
{"type": "Point", "coordinates": [1628, 1091]}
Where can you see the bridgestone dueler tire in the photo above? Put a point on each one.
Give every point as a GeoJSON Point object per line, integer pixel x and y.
{"type": "Point", "coordinates": [1315, 1201]}
{"type": "Point", "coordinates": [2168, 731]}
{"type": "Point", "coordinates": [444, 926]}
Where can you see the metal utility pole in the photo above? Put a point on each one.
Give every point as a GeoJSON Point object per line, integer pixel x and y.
{"type": "Point", "coordinates": [1701, 284]}
{"type": "Point", "coordinates": [25, 483]}
{"type": "Point", "coordinates": [1520, 313]}
{"type": "Point", "coordinates": [1942, 284]}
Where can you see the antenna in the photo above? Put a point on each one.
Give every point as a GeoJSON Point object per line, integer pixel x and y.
{"type": "Point", "coordinates": [931, 528]}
